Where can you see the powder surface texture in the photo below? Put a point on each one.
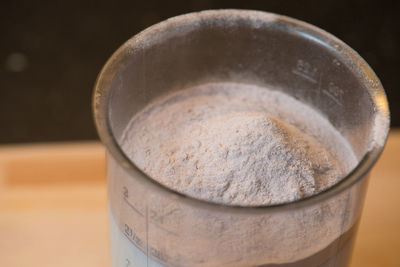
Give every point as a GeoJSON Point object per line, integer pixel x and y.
{"type": "Point", "coordinates": [237, 144]}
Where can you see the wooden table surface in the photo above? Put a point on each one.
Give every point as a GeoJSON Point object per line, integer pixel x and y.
{"type": "Point", "coordinates": [53, 207]}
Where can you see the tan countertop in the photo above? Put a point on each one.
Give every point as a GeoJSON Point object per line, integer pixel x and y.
{"type": "Point", "coordinates": [53, 207]}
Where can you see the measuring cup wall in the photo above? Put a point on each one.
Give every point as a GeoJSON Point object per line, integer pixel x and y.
{"type": "Point", "coordinates": [152, 225]}
{"type": "Point", "coordinates": [171, 230]}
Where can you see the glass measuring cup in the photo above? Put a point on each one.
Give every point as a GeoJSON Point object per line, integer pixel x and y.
{"type": "Point", "coordinates": [152, 225]}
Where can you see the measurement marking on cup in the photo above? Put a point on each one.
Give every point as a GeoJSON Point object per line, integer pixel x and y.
{"type": "Point", "coordinates": [128, 231]}
{"type": "Point", "coordinates": [334, 93]}
{"type": "Point", "coordinates": [336, 62]}
{"type": "Point", "coordinates": [155, 218]}
{"type": "Point", "coordinates": [132, 206]}
{"type": "Point", "coordinates": [137, 241]}
{"type": "Point", "coordinates": [164, 229]}
{"type": "Point", "coordinates": [125, 191]}
{"type": "Point", "coordinates": [158, 254]}
{"type": "Point", "coordinates": [331, 97]}
{"type": "Point", "coordinates": [305, 70]}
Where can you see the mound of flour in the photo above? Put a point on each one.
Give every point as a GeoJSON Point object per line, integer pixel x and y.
{"type": "Point", "coordinates": [237, 144]}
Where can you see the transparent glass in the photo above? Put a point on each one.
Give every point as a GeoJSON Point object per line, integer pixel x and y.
{"type": "Point", "coordinates": [152, 225]}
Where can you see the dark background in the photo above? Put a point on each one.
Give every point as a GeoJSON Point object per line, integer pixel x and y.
{"type": "Point", "coordinates": [51, 52]}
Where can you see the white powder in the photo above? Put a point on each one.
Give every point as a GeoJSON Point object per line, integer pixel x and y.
{"type": "Point", "coordinates": [245, 145]}
{"type": "Point", "coordinates": [237, 144]}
